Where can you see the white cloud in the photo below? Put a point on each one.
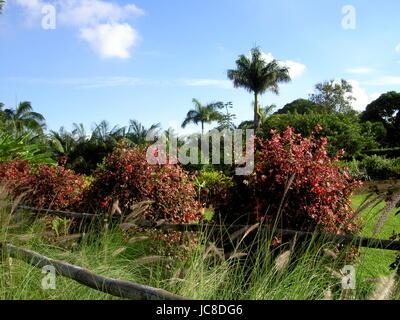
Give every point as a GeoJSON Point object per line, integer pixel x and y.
{"type": "Point", "coordinates": [362, 97]}
{"type": "Point", "coordinates": [32, 10]}
{"type": "Point", "coordinates": [375, 96]}
{"type": "Point", "coordinates": [296, 69]}
{"type": "Point", "coordinates": [122, 81]}
{"type": "Point", "coordinates": [93, 12]}
{"type": "Point", "coordinates": [359, 70]}
{"type": "Point", "coordinates": [110, 40]}
{"type": "Point", "coordinates": [100, 23]}
{"type": "Point", "coordinates": [226, 84]}
{"type": "Point", "coordinates": [398, 48]}
{"type": "Point", "coordinates": [384, 81]}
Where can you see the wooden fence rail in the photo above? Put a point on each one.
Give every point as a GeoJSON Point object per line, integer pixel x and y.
{"type": "Point", "coordinates": [60, 213]}
{"type": "Point", "coordinates": [118, 288]}
{"type": "Point", "coordinates": [342, 239]}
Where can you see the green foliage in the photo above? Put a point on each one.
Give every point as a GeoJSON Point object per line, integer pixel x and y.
{"type": "Point", "coordinates": [203, 114]}
{"type": "Point", "coordinates": [334, 96]}
{"type": "Point", "coordinates": [257, 76]}
{"type": "Point", "coordinates": [342, 130]}
{"type": "Point", "coordinates": [23, 119]}
{"type": "Point", "coordinates": [12, 147]}
{"type": "Point", "coordinates": [2, 3]}
{"type": "Point", "coordinates": [226, 120]}
{"type": "Point", "coordinates": [60, 226]}
{"type": "Point", "coordinates": [83, 152]}
{"type": "Point", "coordinates": [302, 106]}
{"type": "Point", "coordinates": [387, 152]}
{"type": "Point", "coordinates": [211, 185]}
{"type": "Point", "coordinates": [381, 168]}
{"type": "Point", "coordinates": [355, 170]}
{"type": "Point", "coordinates": [386, 110]}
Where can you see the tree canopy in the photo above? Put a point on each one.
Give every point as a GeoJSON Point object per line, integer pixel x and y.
{"type": "Point", "coordinates": [386, 109]}
{"type": "Point", "coordinates": [203, 114]}
{"type": "Point", "coordinates": [333, 95]}
{"type": "Point", "coordinates": [344, 131]}
{"type": "Point", "coordinates": [302, 106]}
{"type": "Point", "coordinates": [2, 3]}
{"type": "Point", "coordinates": [257, 76]}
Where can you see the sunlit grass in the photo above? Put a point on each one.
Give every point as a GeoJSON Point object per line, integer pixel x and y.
{"type": "Point", "coordinates": [309, 273]}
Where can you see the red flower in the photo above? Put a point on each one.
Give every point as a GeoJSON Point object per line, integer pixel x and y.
{"type": "Point", "coordinates": [104, 204]}
{"type": "Point", "coordinates": [129, 168]}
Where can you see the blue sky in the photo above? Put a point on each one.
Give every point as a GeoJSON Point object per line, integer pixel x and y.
{"type": "Point", "coordinates": [147, 59]}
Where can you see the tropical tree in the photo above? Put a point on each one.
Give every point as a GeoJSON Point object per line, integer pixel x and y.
{"type": "Point", "coordinates": [257, 76]}
{"type": "Point", "coordinates": [226, 120]}
{"type": "Point", "coordinates": [2, 2]}
{"type": "Point", "coordinates": [203, 114]}
{"type": "Point", "coordinates": [343, 130]}
{"type": "Point", "coordinates": [386, 110]}
{"type": "Point", "coordinates": [137, 133]}
{"type": "Point", "coordinates": [83, 152]}
{"type": "Point", "coordinates": [264, 113]}
{"type": "Point", "coordinates": [12, 148]}
{"type": "Point", "coordinates": [23, 119]}
{"type": "Point", "coordinates": [302, 106]}
{"type": "Point", "coordinates": [334, 95]}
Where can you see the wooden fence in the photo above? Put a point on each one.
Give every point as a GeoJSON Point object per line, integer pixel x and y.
{"type": "Point", "coordinates": [342, 239]}
{"type": "Point", "coordinates": [118, 288]}
{"type": "Point", "coordinates": [125, 289]}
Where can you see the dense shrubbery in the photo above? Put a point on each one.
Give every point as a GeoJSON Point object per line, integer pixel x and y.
{"type": "Point", "coordinates": [23, 148]}
{"type": "Point", "coordinates": [126, 176]}
{"type": "Point", "coordinates": [355, 170]}
{"type": "Point", "coordinates": [44, 185]}
{"type": "Point", "coordinates": [296, 182]}
{"type": "Point", "coordinates": [380, 168]}
{"type": "Point", "coordinates": [388, 152]}
{"type": "Point", "coordinates": [212, 187]}
{"type": "Point", "coordinates": [343, 131]}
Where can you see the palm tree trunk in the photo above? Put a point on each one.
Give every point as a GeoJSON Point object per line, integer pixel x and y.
{"type": "Point", "coordinates": [202, 128]}
{"type": "Point", "coordinates": [256, 112]}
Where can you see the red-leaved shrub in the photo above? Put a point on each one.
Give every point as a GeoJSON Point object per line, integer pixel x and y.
{"type": "Point", "coordinates": [296, 184]}
{"type": "Point", "coordinates": [126, 176]}
{"type": "Point", "coordinates": [44, 186]}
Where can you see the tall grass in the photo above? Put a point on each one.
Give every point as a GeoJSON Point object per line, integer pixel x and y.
{"type": "Point", "coordinates": [198, 271]}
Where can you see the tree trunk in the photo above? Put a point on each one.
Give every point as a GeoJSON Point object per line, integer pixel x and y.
{"type": "Point", "coordinates": [202, 128]}
{"type": "Point", "coordinates": [257, 118]}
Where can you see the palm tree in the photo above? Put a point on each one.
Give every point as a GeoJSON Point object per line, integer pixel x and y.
{"type": "Point", "coordinates": [23, 119]}
{"type": "Point", "coordinates": [203, 114]}
{"type": "Point", "coordinates": [2, 2]}
{"type": "Point", "coordinates": [258, 76]}
{"type": "Point", "coordinates": [137, 133]}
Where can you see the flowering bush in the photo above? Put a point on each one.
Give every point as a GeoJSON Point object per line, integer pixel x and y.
{"type": "Point", "coordinates": [126, 176]}
{"type": "Point", "coordinates": [44, 185]}
{"type": "Point", "coordinates": [297, 184]}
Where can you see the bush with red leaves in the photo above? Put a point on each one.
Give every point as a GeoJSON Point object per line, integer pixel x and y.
{"type": "Point", "coordinates": [44, 186]}
{"type": "Point", "coordinates": [296, 185]}
{"type": "Point", "coordinates": [126, 176]}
